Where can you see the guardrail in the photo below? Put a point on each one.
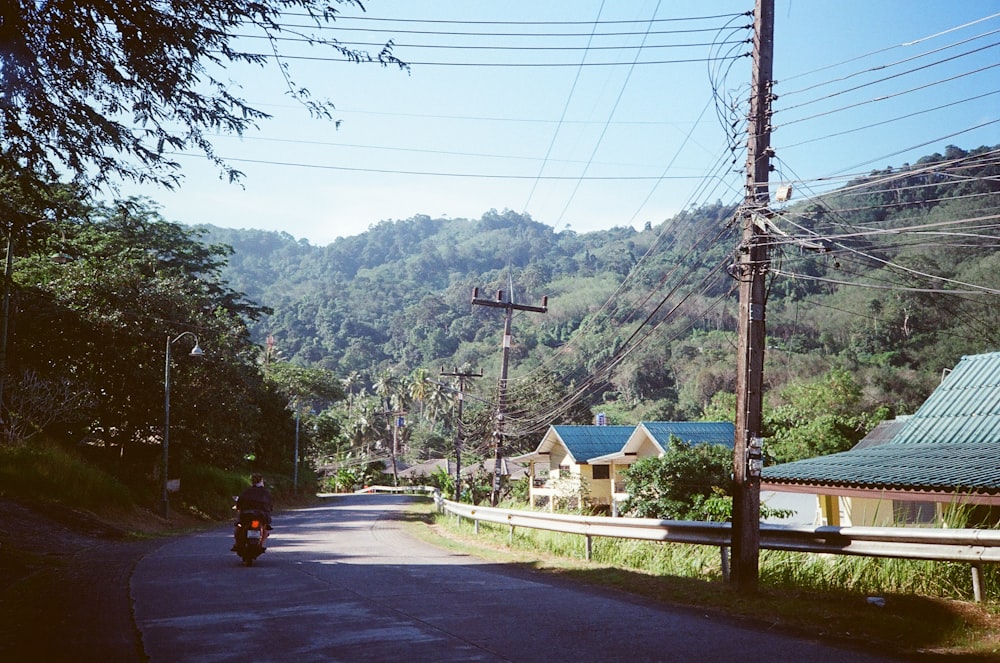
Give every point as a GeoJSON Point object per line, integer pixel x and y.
{"type": "Point", "coordinates": [973, 546]}
{"type": "Point", "coordinates": [431, 490]}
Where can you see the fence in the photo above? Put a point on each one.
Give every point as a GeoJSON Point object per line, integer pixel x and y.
{"type": "Point", "coordinates": [975, 547]}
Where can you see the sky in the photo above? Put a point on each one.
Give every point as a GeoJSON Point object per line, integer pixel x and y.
{"type": "Point", "coordinates": [588, 114]}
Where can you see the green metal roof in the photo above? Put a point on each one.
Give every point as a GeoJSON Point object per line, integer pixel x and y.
{"type": "Point", "coordinates": [961, 467]}
{"type": "Point", "coordinates": [952, 442]}
{"type": "Point", "coordinates": [586, 442]}
{"type": "Point", "coordinates": [695, 432]}
{"type": "Point", "coordinates": [964, 408]}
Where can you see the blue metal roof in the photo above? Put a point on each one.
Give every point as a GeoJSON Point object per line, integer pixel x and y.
{"type": "Point", "coordinates": [695, 432]}
{"type": "Point", "coordinates": [586, 442]}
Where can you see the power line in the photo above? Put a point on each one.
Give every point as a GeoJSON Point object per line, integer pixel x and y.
{"type": "Point", "coordinates": [598, 21]}
{"type": "Point", "coordinates": [459, 175]}
{"type": "Point", "coordinates": [893, 47]}
{"type": "Point", "coordinates": [515, 65]}
{"type": "Point", "coordinates": [498, 47]}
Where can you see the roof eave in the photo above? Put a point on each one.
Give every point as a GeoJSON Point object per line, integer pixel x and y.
{"type": "Point", "coordinates": [908, 494]}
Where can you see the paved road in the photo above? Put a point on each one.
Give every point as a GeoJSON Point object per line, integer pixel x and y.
{"type": "Point", "coordinates": [342, 582]}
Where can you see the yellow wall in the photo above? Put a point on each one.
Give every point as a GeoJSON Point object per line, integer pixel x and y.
{"type": "Point", "coordinates": [870, 512]}
{"type": "Point", "coordinates": [600, 489]}
{"type": "Point", "coordinates": [866, 512]}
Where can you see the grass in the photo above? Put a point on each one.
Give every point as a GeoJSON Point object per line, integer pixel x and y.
{"type": "Point", "coordinates": [811, 595]}
{"type": "Point", "coordinates": [51, 474]}
{"type": "Point", "coordinates": [926, 610]}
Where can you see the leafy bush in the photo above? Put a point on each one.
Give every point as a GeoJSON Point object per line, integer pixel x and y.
{"type": "Point", "coordinates": [679, 484]}
{"type": "Point", "coordinates": [210, 490]}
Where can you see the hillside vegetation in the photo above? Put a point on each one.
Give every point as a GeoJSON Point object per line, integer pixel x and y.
{"type": "Point", "coordinates": [338, 351]}
{"type": "Point", "coordinates": [875, 290]}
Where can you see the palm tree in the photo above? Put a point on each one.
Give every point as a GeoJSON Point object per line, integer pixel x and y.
{"type": "Point", "coordinates": [387, 386]}
{"type": "Point", "coordinates": [391, 390]}
{"type": "Point", "coordinates": [420, 386]}
{"type": "Point", "coordinates": [438, 400]}
{"type": "Point", "coordinates": [350, 383]}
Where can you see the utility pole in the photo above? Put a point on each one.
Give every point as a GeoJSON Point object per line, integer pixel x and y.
{"type": "Point", "coordinates": [459, 432]}
{"type": "Point", "coordinates": [498, 432]}
{"type": "Point", "coordinates": [394, 418]}
{"type": "Point", "coordinates": [752, 273]}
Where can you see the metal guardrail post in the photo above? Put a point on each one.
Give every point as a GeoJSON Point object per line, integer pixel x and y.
{"type": "Point", "coordinates": [975, 547]}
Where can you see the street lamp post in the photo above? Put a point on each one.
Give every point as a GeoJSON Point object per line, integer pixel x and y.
{"type": "Point", "coordinates": [195, 352]}
{"type": "Point", "coordinates": [5, 314]}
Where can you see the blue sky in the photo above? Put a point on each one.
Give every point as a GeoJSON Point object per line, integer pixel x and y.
{"type": "Point", "coordinates": [632, 136]}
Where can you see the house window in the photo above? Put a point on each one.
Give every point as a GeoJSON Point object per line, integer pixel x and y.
{"type": "Point", "coordinates": [914, 513]}
{"type": "Point", "coordinates": [601, 472]}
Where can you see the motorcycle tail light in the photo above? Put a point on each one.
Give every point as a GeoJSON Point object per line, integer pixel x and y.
{"type": "Point", "coordinates": [255, 524]}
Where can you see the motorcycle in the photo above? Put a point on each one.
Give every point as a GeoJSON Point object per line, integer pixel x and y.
{"type": "Point", "coordinates": [250, 535]}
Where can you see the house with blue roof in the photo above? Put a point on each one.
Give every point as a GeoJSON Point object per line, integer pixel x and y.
{"type": "Point", "coordinates": [592, 458]}
{"type": "Point", "coordinates": [919, 469]}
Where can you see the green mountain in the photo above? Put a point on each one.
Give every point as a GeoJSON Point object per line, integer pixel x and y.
{"type": "Point", "coordinates": [891, 278]}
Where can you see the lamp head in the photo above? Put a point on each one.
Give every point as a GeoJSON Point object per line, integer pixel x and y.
{"type": "Point", "coordinates": [197, 351]}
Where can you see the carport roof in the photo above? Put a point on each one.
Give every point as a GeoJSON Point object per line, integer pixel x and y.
{"type": "Point", "coordinates": [951, 467]}
{"type": "Point", "coordinates": [950, 445]}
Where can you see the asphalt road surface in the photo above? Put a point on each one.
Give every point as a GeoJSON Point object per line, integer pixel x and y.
{"type": "Point", "coordinates": [344, 582]}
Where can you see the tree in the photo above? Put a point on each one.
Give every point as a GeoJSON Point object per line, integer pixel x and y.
{"type": "Point", "coordinates": [36, 404]}
{"type": "Point", "coordinates": [99, 323]}
{"type": "Point", "coordinates": [105, 89]}
{"type": "Point", "coordinates": [306, 385]}
{"type": "Point", "coordinates": [819, 417]}
{"type": "Point", "coordinates": [681, 484]}
{"type": "Point", "coordinates": [304, 389]}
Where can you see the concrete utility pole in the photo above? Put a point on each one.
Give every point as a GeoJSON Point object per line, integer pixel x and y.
{"type": "Point", "coordinates": [462, 377]}
{"type": "Point", "coordinates": [498, 432]}
{"type": "Point", "coordinates": [752, 273]}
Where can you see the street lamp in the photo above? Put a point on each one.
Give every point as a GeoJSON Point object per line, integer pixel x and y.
{"type": "Point", "coordinates": [195, 352]}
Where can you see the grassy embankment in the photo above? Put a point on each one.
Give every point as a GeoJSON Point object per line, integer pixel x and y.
{"type": "Point", "coordinates": [926, 607]}
{"type": "Point", "coordinates": [46, 474]}
{"type": "Point", "coordinates": [923, 608]}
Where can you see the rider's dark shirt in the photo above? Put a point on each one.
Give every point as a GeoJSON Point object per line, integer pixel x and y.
{"type": "Point", "coordinates": [255, 498]}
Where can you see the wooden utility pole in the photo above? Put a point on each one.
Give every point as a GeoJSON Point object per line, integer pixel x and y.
{"type": "Point", "coordinates": [498, 431]}
{"type": "Point", "coordinates": [752, 273]}
{"type": "Point", "coordinates": [394, 418]}
{"type": "Point", "coordinates": [462, 377]}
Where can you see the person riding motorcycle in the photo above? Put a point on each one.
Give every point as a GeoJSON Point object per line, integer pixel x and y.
{"type": "Point", "coordinates": [255, 498]}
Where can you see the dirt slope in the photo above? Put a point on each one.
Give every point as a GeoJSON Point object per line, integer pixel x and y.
{"type": "Point", "coordinates": [64, 586]}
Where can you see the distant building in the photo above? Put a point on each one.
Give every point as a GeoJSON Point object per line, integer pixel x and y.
{"type": "Point", "coordinates": [594, 457]}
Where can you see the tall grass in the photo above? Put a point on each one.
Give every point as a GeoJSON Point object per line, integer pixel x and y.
{"type": "Point", "coordinates": [778, 569]}
{"type": "Point", "coordinates": [52, 474]}
{"type": "Point", "coordinates": [871, 575]}
{"type": "Point", "coordinates": [209, 491]}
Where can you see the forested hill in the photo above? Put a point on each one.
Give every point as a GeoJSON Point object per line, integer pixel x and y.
{"type": "Point", "coordinates": [891, 278]}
